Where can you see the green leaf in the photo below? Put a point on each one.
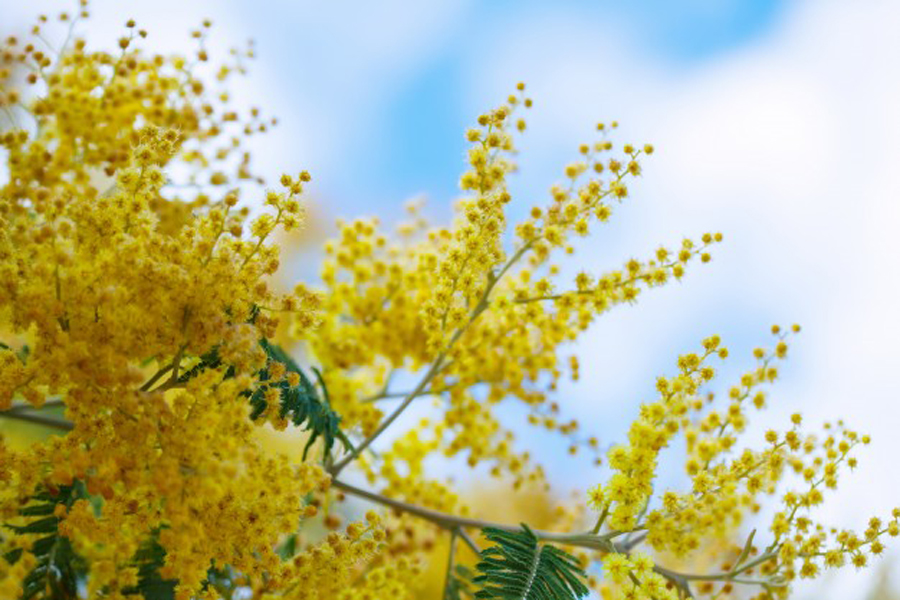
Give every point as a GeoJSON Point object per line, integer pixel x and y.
{"type": "Point", "coordinates": [23, 353]}
{"type": "Point", "coordinates": [301, 404]}
{"type": "Point", "coordinates": [45, 525]}
{"type": "Point", "coordinates": [37, 510]}
{"type": "Point", "coordinates": [149, 559]}
{"type": "Point", "coordinates": [519, 567]}
{"type": "Point", "coordinates": [459, 585]}
{"type": "Point", "coordinates": [288, 548]}
{"type": "Point", "coordinates": [58, 570]}
{"type": "Point", "coordinates": [222, 580]}
{"type": "Point", "coordinates": [210, 360]}
{"type": "Point", "coordinates": [13, 556]}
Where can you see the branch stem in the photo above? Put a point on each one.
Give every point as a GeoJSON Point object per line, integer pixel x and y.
{"type": "Point", "coordinates": [156, 377]}
{"type": "Point", "coordinates": [22, 415]}
{"type": "Point", "coordinates": [450, 522]}
{"type": "Point", "coordinates": [451, 558]}
{"type": "Point", "coordinates": [436, 366]}
{"type": "Point", "coordinates": [603, 543]}
{"type": "Point", "coordinates": [423, 383]}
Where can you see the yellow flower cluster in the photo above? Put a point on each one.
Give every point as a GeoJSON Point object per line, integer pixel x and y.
{"type": "Point", "coordinates": [628, 491]}
{"type": "Point", "coordinates": [724, 488]}
{"type": "Point", "coordinates": [727, 485]}
{"type": "Point", "coordinates": [401, 472]}
{"type": "Point", "coordinates": [227, 503]}
{"type": "Point", "coordinates": [635, 578]}
{"type": "Point", "coordinates": [138, 309]}
{"type": "Point", "coordinates": [88, 267]}
{"type": "Point", "coordinates": [325, 570]}
{"type": "Point", "coordinates": [393, 580]}
{"type": "Point", "coordinates": [485, 324]}
{"type": "Point", "coordinates": [12, 576]}
{"type": "Point", "coordinates": [111, 292]}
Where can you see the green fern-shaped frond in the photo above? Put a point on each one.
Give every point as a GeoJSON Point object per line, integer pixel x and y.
{"type": "Point", "coordinates": [58, 569]}
{"type": "Point", "coordinates": [519, 567]}
{"type": "Point", "coordinates": [459, 584]}
{"type": "Point", "coordinates": [210, 360]}
{"type": "Point", "coordinates": [149, 559]}
{"type": "Point", "coordinates": [302, 404]}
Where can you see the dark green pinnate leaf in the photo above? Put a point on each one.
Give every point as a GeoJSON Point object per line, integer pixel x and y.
{"type": "Point", "coordinates": [459, 584]}
{"type": "Point", "coordinates": [58, 570]}
{"type": "Point", "coordinates": [149, 559]}
{"type": "Point", "coordinates": [301, 404]}
{"type": "Point", "coordinates": [519, 567]}
{"type": "Point", "coordinates": [210, 360]}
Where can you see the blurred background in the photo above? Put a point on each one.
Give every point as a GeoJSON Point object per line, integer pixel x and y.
{"type": "Point", "coordinates": [776, 122]}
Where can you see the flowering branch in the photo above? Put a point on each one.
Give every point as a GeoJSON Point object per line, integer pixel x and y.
{"type": "Point", "coordinates": [604, 543]}
{"type": "Point", "coordinates": [436, 366]}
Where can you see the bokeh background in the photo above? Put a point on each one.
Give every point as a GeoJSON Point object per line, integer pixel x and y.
{"type": "Point", "coordinates": [776, 122]}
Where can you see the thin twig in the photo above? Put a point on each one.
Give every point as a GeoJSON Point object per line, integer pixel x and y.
{"type": "Point", "coordinates": [432, 371]}
{"type": "Point", "coordinates": [469, 541]}
{"type": "Point", "coordinates": [48, 404]}
{"type": "Point", "coordinates": [448, 521]}
{"type": "Point", "coordinates": [51, 422]}
{"type": "Point", "coordinates": [451, 556]}
{"type": "Point", "coordinates": [397, 395]}
{"type": "Point", "coordinates": [603, 543]}
{"type": "Point", "coordinates": [156, 376]}
{"type": "Point", "coordinates": [631, 543]}
{"type": "Point", "coordinates": [436, 366]}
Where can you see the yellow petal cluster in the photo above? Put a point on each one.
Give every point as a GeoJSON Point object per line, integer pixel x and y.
{"type": "Point", "coordinates": [140, 294]}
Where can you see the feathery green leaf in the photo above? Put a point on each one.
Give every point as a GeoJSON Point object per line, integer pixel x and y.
{"type": "Point", "coordinates": [301, 404]}
{"type": "Point", "coordinates": [58, 569]}
{"type": "Point", "coordinates": [150, 558]}
{"type": "Point", "coordinates": [459, 584]}
{"type": "Point", "coordinates": [519, 567]}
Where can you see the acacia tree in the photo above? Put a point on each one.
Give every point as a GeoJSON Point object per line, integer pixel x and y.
{"type": "Point", "coordinates": [140, 322]}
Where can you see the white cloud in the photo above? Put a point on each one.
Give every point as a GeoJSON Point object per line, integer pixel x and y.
{"type": "Point", "coordinates": [327, 69]}
{"type": "Point", "coordinates": [790, 145]}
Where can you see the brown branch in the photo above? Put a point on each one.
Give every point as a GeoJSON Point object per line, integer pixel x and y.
{"type": "Point", "coordinates": [603, 543]}
{"type": "Point", "coordinates": [436, 366]}
{"type": "Point", "coordinates": [20, 413]}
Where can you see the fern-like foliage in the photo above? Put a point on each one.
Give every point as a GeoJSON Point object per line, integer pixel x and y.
{"type": "Point", "coordinates": [459, 584]}
{"type": "Point", "coordinates": [302, 403]}
{"type": "Point", "coordinates": [519, 567]}
{"type": "Point", "coordinates": [210, 360]}
{"type": "Point", "coordinates": [150, 558]}
{"type": "Point", "coordinates": [59, 568]}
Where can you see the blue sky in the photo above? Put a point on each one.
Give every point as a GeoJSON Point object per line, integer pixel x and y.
{"type": "Point", "coordinates": [775, 122]}
{"type": "Point", "coordinates": [413, 142]}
